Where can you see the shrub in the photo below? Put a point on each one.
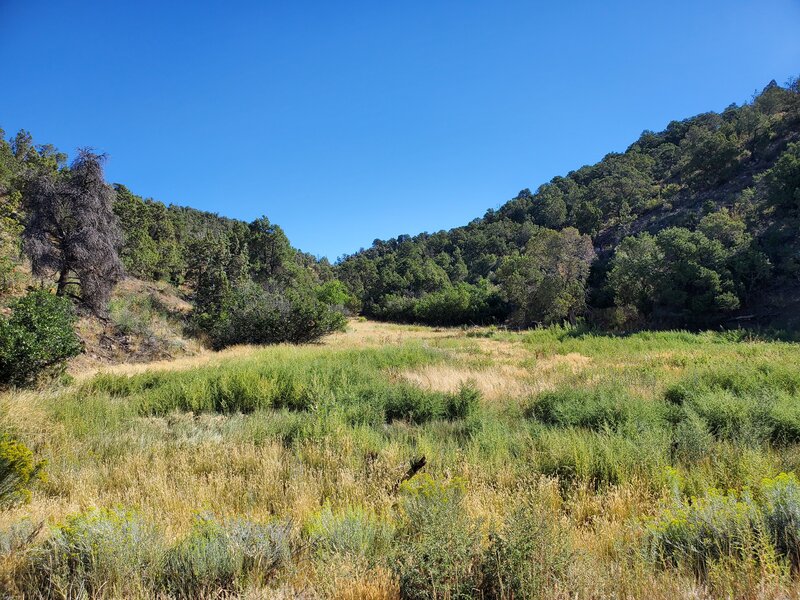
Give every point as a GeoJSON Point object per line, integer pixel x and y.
{"type": "Point", "coordinates": [718, 527]}
{"type": "Point", "coordinates": [17, 536]}
{"type": "Point", "coordinates": [462, 303]}
{"type": "Point", "coordinates": [438, 545]}
{"type": "Point", "coordinates": [708, 528]}
{"type": "Point", "coordinates": [600, 458]}
{"type": "Point", "coordinates": [745, 405]}
{"type": "Point", "coordinates": [528, 556]}
{"type": "Point", "coordinates": [38, 338]}
{"type": "Point", "coordinates": [18, 471]}
{"type": "Point", "coordinates": [418, 406]}
{"type": "Point", "coordinates": [414, 404]}
{"type": "Point", "coordinates": [354, 531]}
{"type": "Point", "coordinates": [692, 439]}
{"type": "Point", "coordinates": [221, 557]}
{"type": "Point", "coordinates": [132, 315]}
{"type": "Point", "coordinates": [781, 507]}
{"type": "Point", "coordinates": [464, 403]}
{"type": "Point", "coordinates": [596, 409]}
{"type": "Point", "coordinates": [98, 554]}
{"type": "Point", "coordinates": [253, 315]}
{"type": "Point", "coordinates": [263, 548]}
{"type": "Point", "coordinates": [783, 420]}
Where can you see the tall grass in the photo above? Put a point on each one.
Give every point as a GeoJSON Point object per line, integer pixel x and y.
{"type": "Point", "coordinates": [653, 465]}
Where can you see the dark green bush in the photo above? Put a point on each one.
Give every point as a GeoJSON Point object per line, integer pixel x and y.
{"type": "Point", "coordinates": [464, 403]}
{"type": "Point", "coordinates": [596, 409]}
{"type": "Point", "coordinates": [416, 405]}
{"type": "Point", "coordinates": [413, 404]}
{"type": "Point", "coordinates": [748, 405]}
{"type": "Point", "coordinates": [692, 441]}
{"type": "Point", "coordinates": [462, 303]}
{"type": "Point", "coordinates": [252, 315]}
{"type": "Point", "coordinates": [38, 338]}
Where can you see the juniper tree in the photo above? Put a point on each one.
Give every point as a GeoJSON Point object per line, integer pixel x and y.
{"type": "Point", "coordinates": [71, 232]}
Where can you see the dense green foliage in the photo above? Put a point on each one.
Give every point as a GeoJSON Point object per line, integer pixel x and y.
{"type": "Point", "coordinates": [39, 337]}
{"type": "Point", "coordinates": [690, 225]}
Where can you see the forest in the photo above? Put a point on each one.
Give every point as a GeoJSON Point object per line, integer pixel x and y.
{"type": "Point", "coordinates": [689, 227]}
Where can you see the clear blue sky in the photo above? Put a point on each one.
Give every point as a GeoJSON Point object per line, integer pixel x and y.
{"type": "Point", "coordinates": [349, 121]}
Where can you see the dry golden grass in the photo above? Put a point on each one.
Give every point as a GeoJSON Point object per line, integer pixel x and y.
{"type": "Point", "coordinates": [502, 381]}
{"type": "Point", "coordinates": [202, 358]}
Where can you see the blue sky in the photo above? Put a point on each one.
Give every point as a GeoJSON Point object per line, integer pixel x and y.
{"type": "Point", "coordinates": [349, 121]}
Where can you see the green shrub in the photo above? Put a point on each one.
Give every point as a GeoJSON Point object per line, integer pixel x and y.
{"type": "Point", "coordinates": [600, 458]}
{"type": "Point", "coordinates": [438, 545]}
{"type": "Point", "coordinates": [707, 529]}
{"type": "Point", "coordinates": [123, 386]}
{"type": "Point", "coordinates": [597, 409]}
{"type": "Point", "coordinates": [38, 338]}
{"type": "Point", "coordinates": [98, 554]}
{"type": "Point", "coordinates": [528, 556]}
{"type": "Point", "coordinates": [253, 315]}
{"type": "Point", "coordinates": [18, 471]}
{"type": "Point", "coordinates": [783, 420]}
{"type": "Point", "coordinates": [413, 404]}
{"type": "Point", "coordinates": [464, 403]}
{"type": "Point", "coordinates": [461, 303]}
{"type": "Point", "coordinates": [748, 405]}
{"type": "Point", "coordinates": [692, 440]}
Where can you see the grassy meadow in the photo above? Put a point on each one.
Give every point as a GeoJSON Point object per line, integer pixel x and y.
{"type": "Point", "coordinates": [557, 464]}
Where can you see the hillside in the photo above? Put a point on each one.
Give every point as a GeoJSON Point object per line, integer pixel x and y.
{"type": "Point", "coordinates": [147, 281]}
{"type": "Point", "coordinates": [230, 457]}
{"type": "Point", "coordinates": [722, 215]}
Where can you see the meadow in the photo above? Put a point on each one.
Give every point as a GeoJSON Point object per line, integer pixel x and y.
{"type": "Point", "coordinates": [395, 461]}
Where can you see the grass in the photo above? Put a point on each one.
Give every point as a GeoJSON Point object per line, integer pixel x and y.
{"type": "Point", "coordinates": [558, 463]}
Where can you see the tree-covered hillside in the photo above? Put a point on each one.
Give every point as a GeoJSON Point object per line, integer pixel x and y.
{"type": "Point", "coordinates": [690, 226]}
{"type": "Point", "coordinates": [64, 229]}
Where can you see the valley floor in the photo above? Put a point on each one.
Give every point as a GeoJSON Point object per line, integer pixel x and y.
{"type": "Point", "coordinates": [396, 461]}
